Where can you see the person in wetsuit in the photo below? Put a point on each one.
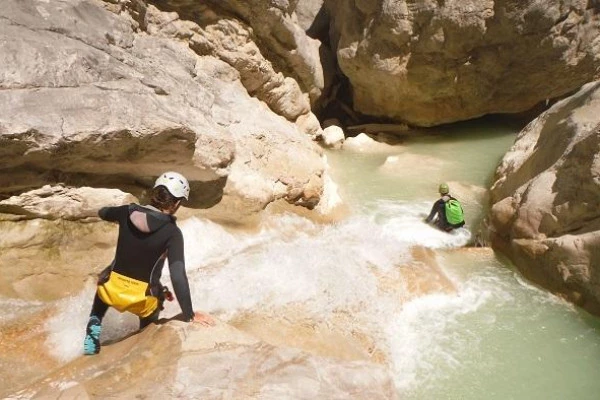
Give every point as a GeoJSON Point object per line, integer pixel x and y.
{"type": "Point", "coordinates": [439, 210]}
{"type": "Point", "coordinates": [148, 235]}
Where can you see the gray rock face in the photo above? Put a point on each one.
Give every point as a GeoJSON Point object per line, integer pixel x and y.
{"type": "Point", "coordinates": [97, 98]}
{"type": "Point", "coordinates": [275, 26]}
{"type": "Point", "coordinates": [546, 199]}
{"type": "Point", "coordinates": [431, 62]}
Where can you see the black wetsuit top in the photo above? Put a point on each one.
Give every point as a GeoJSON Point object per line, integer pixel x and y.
{"type": "Point", "coordinates": [144, 235]}
{"type": "Point", "coordinates": [439, 208]}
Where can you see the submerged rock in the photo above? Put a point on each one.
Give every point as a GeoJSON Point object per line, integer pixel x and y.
{"type": "Point", "coordinates": [363, 143]}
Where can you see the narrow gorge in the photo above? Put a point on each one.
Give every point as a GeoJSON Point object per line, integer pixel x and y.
{"type": "Point", "coordinates": [314, 134]}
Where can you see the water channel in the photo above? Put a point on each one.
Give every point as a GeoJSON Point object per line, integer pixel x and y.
{"type": "Point", "coordinates": [487, 334]}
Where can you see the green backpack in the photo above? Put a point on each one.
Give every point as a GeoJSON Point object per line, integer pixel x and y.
{"type": "Point", "coordinates": [454, 212]}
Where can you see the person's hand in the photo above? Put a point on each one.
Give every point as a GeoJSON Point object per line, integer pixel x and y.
{"type": "Point", "coordinates": [203, 319]}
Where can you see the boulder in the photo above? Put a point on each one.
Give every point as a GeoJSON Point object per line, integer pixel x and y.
{"type": "Point", "coordinates": [99, 98]}
{"type": "Point", "coordinates": [333, 136]}
{"type": "Point", "coordinates": [545, 200]}
{"type": "Point", "coordinates": [432, 62]}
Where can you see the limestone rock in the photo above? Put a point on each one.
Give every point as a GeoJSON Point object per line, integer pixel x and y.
{"type": "Point", "coordinates": [48, 245]}
{"type": "Point", "coordinates": [109, 95]}
{"type": "Point", "coordinates": [185, 360]}
{"type": "Point", "coordinates": [276, 25]}
{"type": "Point", "coordinates": [432, 62]}
{"type": "Point", "coordinates": [333, 136]}
{"type": "Point", "coordinates": [545, 212]}
{"type": "Point", "coordinates": [55, 202]}
{"type": "Point", "coordinates": [310, 125]}
{"type": "Point", "coordinates": [112, 96]}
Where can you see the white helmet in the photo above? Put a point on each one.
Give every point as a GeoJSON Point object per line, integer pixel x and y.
{"type": "Point", "coordinates": [175, 183]}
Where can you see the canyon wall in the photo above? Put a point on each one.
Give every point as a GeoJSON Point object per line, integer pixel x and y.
{"type": "Point", "coordinates": [429, 62]}
{"type": "Point", "coordinates": [546, 200]}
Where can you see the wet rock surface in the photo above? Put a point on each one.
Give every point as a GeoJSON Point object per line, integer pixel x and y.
{"type": "Point", "coordinates": [545, 199]}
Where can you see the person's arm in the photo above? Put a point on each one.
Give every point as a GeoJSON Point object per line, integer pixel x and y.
{"type": "Point", "coordinates": [112, 214]}
{"type": "Point", "coordinates": [442, 208]}
{"type": "Point", "coordinates": [434, 210]}
{"type": "Point", "coordinates": [179, 278]}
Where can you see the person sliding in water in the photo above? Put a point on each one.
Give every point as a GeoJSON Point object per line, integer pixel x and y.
{"type": "Point", "coordinates": [448, 210]}
{"type": "Point", "coordinates": [147, 236]}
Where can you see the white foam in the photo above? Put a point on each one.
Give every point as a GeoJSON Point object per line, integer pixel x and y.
{"type": "Point", "coordinates": [406, 222]}
{"type": "Point", "coordinates": [291, 260]}
{"type": "Point", "coordinates": [543, 297]}
{"type": "Point", "coordinates": [66, 329]}
{"type": "Point", "coordinates": [331, 197]}
{"type": "Point", "coordinates": [427, 336]}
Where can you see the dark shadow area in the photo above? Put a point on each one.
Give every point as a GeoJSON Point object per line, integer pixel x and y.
{"type": "Point", "coordinates": [206, 194]}
{"type": "Point", "coordinates": [202, 194]}
{"type": "Point", "coordinates": [196, 11]}
{"type": "Point", "coordinates": [393, 132]}
{"type": "Point", "coordinates": [319, 29]}
{"type": "Point", "coordinates": [178, 317]}
{"type": "Point", "coordinates": [470, 128]}
{"type": "Point", "coordinates": [20, 179]}
{"type": "Point", "coordinates": [338, 103]}
{"type": "Point", "coordinates": [340, 106]}
{"type": "Point", "coordinates": [121, 339]}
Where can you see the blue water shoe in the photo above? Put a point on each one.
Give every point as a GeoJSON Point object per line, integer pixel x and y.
{"type": "Point", "coordinates": [91, 344]}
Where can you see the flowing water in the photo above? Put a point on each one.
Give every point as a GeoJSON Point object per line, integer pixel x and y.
{"type": "Point", "coordinates": [491, 336]}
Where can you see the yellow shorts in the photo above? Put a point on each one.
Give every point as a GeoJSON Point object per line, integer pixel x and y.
{"type": "Point", "coordinates": [127, 294]}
